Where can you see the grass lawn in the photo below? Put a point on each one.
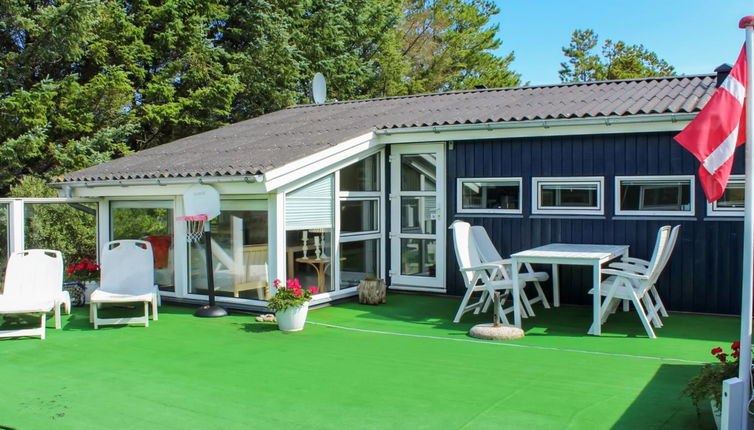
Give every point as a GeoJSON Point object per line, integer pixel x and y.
{"type": "Point", "coordinates": [394, 366]}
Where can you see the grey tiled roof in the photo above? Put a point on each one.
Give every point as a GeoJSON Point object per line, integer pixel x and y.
{"type": "Point", "coordinates": [257, 145]}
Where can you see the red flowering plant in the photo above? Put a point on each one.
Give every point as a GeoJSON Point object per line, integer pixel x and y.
{"type": "Point", "coordinates": [290, 295]}
{"type": "Point", "coordinates": [708, 384]}
{"type": "Point", "coordinates": [84, 270]}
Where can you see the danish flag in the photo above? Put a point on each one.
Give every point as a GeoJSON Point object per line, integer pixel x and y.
{"type": "Point", "coordinates": [718, 129]}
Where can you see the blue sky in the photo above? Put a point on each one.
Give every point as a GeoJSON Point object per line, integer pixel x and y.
{"type": "Point", "coordinates": [694, 36]}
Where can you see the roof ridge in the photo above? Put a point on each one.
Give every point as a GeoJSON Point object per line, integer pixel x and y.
{"type": "Point", "coordinates": [506, 89]}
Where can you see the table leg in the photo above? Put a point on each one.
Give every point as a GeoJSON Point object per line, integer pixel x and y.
{"type": "Point", "coordinates": [516, 266]}
{"type": "Point", "coordinates": [597, 300]}
{"type": "Point", "coordinates": [555, 286]}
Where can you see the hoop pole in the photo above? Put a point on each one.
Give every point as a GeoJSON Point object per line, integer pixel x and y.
{"type": "Point", "coordinates": [208, 256]}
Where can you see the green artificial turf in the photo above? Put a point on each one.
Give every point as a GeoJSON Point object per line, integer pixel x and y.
{"type": "Point", "coordinates": [395, 366]}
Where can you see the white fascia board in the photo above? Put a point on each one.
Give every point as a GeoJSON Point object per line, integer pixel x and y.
{"type": "Point", "coordinates": [537, 128]}
{"type": "Point", "coordinates": [224, 188]}
{"type": "Point", "coordinates": [314, 163]}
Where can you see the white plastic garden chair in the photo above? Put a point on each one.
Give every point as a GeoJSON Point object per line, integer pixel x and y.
{"type": "Point", "coordinates": [485, 278]}
{"type": "Point", "coordinates": [126, 276]}
{"type": "Point", "coordinates": [640, 266]}
{"type": "Point", "coordinates": [488, 253]}
{"type": "Point", "coordinates": [633, 286]}
{"type": "Point", "coordinates": [33, 284]}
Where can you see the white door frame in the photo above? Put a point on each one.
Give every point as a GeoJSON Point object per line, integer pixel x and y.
{"type": "Point", "coordinates": [408, 282]}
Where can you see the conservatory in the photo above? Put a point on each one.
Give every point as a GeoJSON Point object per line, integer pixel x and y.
{"type": "Point", "coordinates": [326, 230]}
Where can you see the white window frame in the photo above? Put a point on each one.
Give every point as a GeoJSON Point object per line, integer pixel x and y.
{"type": "Point", "coordinates": [692, 202]}
{"type": "Point", "coordinates": [360, 236]}
{"type": "Point", "coordinates": [568, 210]}
{"type": "Point", "coordinates": [511, 180]}
{"type": "Point", "coordinates": [713, 210]}
{"type": "Point", "coordinates": [375, 198]}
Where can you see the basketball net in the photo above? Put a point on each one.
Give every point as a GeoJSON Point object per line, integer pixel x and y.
{"type": "Point", "coordinates": [194, 227]}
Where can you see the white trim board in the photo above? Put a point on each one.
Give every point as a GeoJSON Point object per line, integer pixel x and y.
{"type": "Point", "coordinates": [323, 159]}
{"type": "Point", "coordinates": [459, 195]}
{"type": "Point", "coordinates": [713, 211]}
{"type": "Point", "coordinates": [642, 213]}
{"type": "Point", "coordinates": [537, 128]}
{"type": "Point", "coordinates": [568, 210]}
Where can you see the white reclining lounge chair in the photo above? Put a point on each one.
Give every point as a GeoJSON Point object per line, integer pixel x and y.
{"type": "Point", "coordinates": [478, 276]}
{"type": "Point", "coordinates": [33, 284]}
{"type": "Point", "coordinates": [633, 286]}
{"type": "Point", "coordinates": [489, 254]}
{"type": "Point", "coordinates": [126, 276]}
{"type": "Point", "coordinates": [639, 265]}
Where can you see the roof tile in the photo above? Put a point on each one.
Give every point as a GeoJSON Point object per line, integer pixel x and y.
{"type": "Point", "coordinates": [260, 144]}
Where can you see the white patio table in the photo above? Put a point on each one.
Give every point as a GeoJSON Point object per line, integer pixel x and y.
{"type": "Point", "coordinates": [567, 253]}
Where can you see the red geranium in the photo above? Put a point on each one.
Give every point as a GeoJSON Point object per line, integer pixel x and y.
{"type": "Point", "coordinates": [736, 345]}
{"type": "Point", "coordinates": [716, 351]}
{"type": "Point", "coordinates": [84, 270]}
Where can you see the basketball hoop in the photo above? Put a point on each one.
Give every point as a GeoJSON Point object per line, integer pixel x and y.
{"type": "Point", "coordinates": [201, 203]}
{"type": "Point", "coordinates": [194, 227]}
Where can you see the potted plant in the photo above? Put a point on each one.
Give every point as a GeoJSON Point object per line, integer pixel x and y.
{"type": "Point", "coordinates": [708, 384]}
{"type": "Point", "coordinates": [84, 273]}
{"type": "Point", "coordinates": [291, 304]}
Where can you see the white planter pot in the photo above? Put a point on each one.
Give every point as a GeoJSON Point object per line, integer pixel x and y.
{"type": "Point", "coordinates": [292, 319]}
{"type": "Point", "coordinates": [716, 412]}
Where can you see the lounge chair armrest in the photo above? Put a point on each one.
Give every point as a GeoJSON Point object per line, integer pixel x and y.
{"type": "Point", "coordinates": [485, 266]}
{"type": "Point", "coordinates": [637, 261]}
{"type": "Point", "coordinates": [629, 267]}
{"type": "Point", "coordinates": [625, 274]}
{"type": "Point", "coordinates": [506, 262]}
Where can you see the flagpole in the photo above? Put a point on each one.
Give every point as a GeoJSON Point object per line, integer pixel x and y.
{"type": "Point", "coordinates": [744, 368]}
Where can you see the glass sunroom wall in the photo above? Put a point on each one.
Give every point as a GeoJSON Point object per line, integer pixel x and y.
{"type": "Point", "coordinates": [70, 228]}
{"type": "Point", "coordinates": [239, 252]}
{"type": "Point", "coordinates": [360, 221]}
{"type": "Point", "coordinates": [309, 234]}
{"type": "Point", "coordinates": [151, 221]}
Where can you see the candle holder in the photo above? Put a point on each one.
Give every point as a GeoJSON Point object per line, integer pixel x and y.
{"type": "Point", "coordinates": [323, 255]}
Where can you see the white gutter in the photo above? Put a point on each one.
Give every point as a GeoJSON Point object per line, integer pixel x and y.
{"type": "Point", "coordinates": [161, 181]}
{"type": "Point", "coordinates": [548, 123]}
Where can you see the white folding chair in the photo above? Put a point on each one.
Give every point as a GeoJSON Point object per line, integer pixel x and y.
{"type": "Point", "coordinates": [33, 284]}
{"type": "Point", "coordinates": [633, 286]}
{"type": "Point", "coordinates": [489, 254]}
{"type": "Point", "coordinates": [478, 276]}
{"type": "Point", "coordinates": [126, 276]}
{"type": "Point", "coordinates": [639, 265]}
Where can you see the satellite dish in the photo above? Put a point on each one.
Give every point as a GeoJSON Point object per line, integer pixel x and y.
{"type": "Point", "coordinates": [319, 88]}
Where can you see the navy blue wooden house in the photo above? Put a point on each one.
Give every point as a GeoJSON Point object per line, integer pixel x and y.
{"type": "Point", "coordinates": [335, 192]}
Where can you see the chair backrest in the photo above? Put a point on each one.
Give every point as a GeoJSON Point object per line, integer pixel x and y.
{"type": "Point", "coordinates": [669, 247]}
{"type": "Point", "coordinates": [34, 273]}
{"type": "Point", "coordinates": [254, 266]}
{"type": "Point", "coordinates": [655, 263]}
{"type": "Point", "coordinates": [127, 267]}
{"type": "Point", "coordinates": [466, 249]}
{"type": "Point", "coordinates": [485, 247]}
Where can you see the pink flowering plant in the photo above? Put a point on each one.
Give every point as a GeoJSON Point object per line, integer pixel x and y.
{"type": "Point", "coordinates": [708, 384]}
{"type": "Point", "coordinates": [290, 295]}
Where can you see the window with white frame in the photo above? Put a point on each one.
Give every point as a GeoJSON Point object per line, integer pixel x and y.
{"type": "Point", "coordinates": [732, 201]}
{"type": "Point", "coordinates": [654, 195]}
{"type": "Point", "coordinates": [489, 195]}
{"type": "Point", "coordinates": [360, 195]}
{"type": "Point", "coordinates": [573, 195]}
